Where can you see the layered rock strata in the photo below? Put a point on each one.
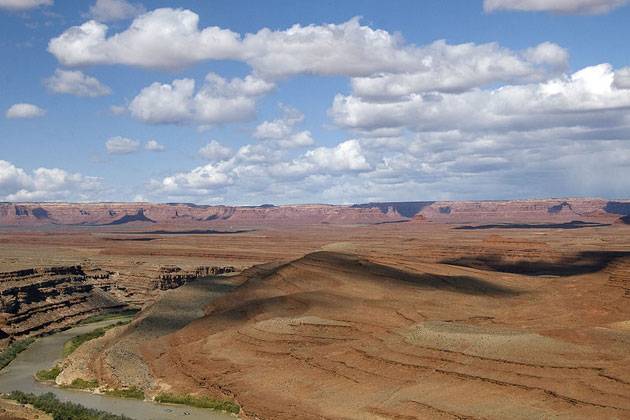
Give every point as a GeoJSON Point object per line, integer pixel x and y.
{"type": "Point", "coordinates": [39, 301]}
{"type": "Point", "coordinates": [180, 214]}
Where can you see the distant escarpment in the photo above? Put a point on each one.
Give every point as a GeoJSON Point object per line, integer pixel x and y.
{"type": "Point", "coordinates": [197, 216]}
{"type": "Point", "coordinates": [38, 301]}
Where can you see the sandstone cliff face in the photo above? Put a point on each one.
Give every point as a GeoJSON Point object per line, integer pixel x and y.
{"type": "Point", "coordinates": [39, 301]}
{"type": "Point", "coordinates": [172, 277]}
{"type": "Point", "coordinates": [34, 302]}
{"type": "Point", "coordinates": [190, 215]}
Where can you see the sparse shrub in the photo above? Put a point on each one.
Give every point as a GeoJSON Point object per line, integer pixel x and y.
{"type": "Point", "coordinates": [62, 410]}
{"type": "Point", "coordinates": [71, 345]}
{"type": "Point", "coordinates": [200, 402]}
{"type": "Point", "coordinates": [80, 383]}
{"type": "Point", "coordinates": [13, 350]}
{"type": "Point", "coordinates": [132, 392]}
{"type": "Point", "coordinates": [48, 375]}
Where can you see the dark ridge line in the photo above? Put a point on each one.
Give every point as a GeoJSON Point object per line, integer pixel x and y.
{"type": "Point", "coordinates": [186, 232]}
{"type": "Point", "coordinates": [131, 239]}
{"type": "Point", "coordinates": [576, 224]}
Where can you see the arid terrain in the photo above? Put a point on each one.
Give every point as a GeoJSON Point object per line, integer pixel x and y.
{"type": "Point", "coordinates": [494, 310]}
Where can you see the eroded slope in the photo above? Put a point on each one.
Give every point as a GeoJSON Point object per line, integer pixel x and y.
{"type": "Point", "coordinates": [332, 335]}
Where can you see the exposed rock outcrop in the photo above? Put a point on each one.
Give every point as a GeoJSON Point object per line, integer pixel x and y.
{"type": "Point", "coordinates": [35, 302]}
{"type": "Point", "coordinates": [172, 277]}
{"type": "Point", "coordinates": [39, 301]}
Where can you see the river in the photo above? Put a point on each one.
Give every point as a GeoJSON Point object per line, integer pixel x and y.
{"type": "Point", "coordinates": [45, 351]}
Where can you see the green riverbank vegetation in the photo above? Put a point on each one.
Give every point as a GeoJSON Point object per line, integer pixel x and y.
{"type": "Point", "coordinates": [50, 404]}
{"type": "Point", "coordinates": [200, 402]}
{"type": "Point", "coordinates": [13, 350]}
{"type": "Point", "coordinates": [74, 343]}
{"type": "Point", "coordinates": [81, 384]}
{"type": "Point", "coordinates": [106, 316]}
{"type": "Point", "coordinates": [48, 375]}
{"type": "Point", "coordinates": [132, 392]}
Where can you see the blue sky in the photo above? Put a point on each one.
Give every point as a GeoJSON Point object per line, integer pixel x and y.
{"type": "Point", "coordinates": [251, 102]}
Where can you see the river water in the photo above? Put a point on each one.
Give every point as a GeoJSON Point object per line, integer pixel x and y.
{"type": "Point", "coordinates": [45, 351]}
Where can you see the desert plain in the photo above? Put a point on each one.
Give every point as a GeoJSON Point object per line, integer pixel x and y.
{"type": "Point", "coordinates": [389, 311]}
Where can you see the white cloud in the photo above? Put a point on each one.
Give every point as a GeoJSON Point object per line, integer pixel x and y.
{"type": "Point", "coordinates": [23, 4]}
{"type": "Point", "coordinates": [170, 39]}
{"type": "Point", "coordinates": [242, 172]}
{"type": "Point", "coordinates": [281, 131]}
{"type": "Point", "coordinates": [622, 78]}
{"type": "Point", "coordinates": [215, 152]}
{"type": "Point", "coordinates": [456, 68]}
{"type": "Point", "coordinates": [121, 146]}
{"type": "Point", "coordinates": [118, 109]}
{"type": "Point", "coordinates": [106, 10]}
{"type": "Point", "coordinates": [587, 98]}
{"type": "Point", "coordinates": [161, 39]}
{"type": "Point", "coordinates": [550, 54]}
{"type": "Point", "coordinates": [203, 180]}
{"type": "Point", "coordinates": [589, 7]}
{"type": "Point", "coordinates": [25, 111]}
{"type": "Point", "coordinates": [154, 146]}
{"type": "Point", "coordinates": [46, 184]}
{"type": "Point", "coordinates": [75, 83]}
{"type": "Point", "coordinates": [217, 101]}
{"type": "Point", "coordinates": [346, 156]}
{"type": "Point", "coordinates": [348, 49]}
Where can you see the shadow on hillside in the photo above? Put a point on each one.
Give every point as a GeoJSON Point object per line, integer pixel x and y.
{"type": "Point", "coordinates": [577, 224]}
{"type": "Point", "coordinates": [582, 263]}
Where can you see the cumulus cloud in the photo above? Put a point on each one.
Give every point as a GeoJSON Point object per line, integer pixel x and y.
{"type": "Point", "coordinates": [161, 39]}
{"type": "Point", "coordinates": [75, 83]}
{"type": "Point", "coordinates": [215, 152]}
{"type": "Point", "coordinates": [586, 98]}
{"type": "Point", "coordinates": [348, 49]}
{"type": "Point", "coordinates": [456, 68]}
{"type": "Point", "coordinates": [23, 4]}
{"type": "Point", "coordinates": [106, 10]}
{"type": "Point", "coordinates": [201, 181]}
{"type": "Point", "coordinates": [121, 145]}
{"type": "Point", "coordinates": [242, 171]}
{"type": "Point", "coordinates": [170, 39]}
{"type": "Point", "coordinates": [154, 146]}
{"type": "Point", "coordinates": [46, 184]}
{"type": "Point", "coordinates": [588, 7]}
{"type": "Point", "coordinates": [24, 110]}
{"type": "Point", "coordinates": [622, 78]}
{"type": "Point", "coordinates": [282, 131]}
{"type": "Point", "coordinates": [217, 101]}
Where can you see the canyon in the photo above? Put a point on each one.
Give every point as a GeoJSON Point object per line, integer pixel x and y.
{"type": "Point", "coordinates": [512, 309]}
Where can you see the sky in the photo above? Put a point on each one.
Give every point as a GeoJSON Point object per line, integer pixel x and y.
{"type": "Point", "coordinates": [283, 102]}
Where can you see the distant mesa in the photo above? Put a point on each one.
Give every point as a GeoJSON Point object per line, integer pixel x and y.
{"type": "Point", "coordinates": [558, 208]}
{"type": "Point", "coordinates": [138, 217]}
{"type": "Point", "coordinates": [406, 209]}
{"type": "Point", "coordinates": [192, 216]}
{"type": "Point", "coordinates": [418, 218]}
